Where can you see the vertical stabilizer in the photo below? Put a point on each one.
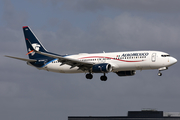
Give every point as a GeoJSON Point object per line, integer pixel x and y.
{"type": "Point", "coordinates": [29, 35]}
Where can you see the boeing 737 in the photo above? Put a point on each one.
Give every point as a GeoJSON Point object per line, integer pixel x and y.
{"type": "Point", "coordinates": [121, 63]}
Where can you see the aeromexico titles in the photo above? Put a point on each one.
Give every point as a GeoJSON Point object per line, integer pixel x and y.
{"type": "Point", "coordinates": [121, 63]}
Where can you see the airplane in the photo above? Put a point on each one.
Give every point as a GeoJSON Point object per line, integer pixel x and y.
{"type": "Point", "coordinates": [121, 63]}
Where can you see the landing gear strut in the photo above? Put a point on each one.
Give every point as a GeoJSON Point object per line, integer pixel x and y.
{"type": "Point", "coordinates": [89, 76]}
{"type": "Point", "coordinates": [161, 69]}
{"type": "Point", "coordinates": [103, 77]}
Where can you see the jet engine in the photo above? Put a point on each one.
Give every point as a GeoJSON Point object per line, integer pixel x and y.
{"type": "Point", "coordinates": [101, 68]}
{"type": "Point", "coordinates": [126, 73]}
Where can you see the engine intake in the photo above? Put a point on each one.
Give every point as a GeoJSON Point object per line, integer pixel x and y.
{"type": "Point", "coordinates": [126, 73]}
{"type": "Point", "coordinates": [101, 68]}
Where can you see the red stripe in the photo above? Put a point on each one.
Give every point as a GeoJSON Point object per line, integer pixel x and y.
{"type": "Point", "coordinates": [30, 52]}
{"type": "Point", "coordinates": [25, 26]}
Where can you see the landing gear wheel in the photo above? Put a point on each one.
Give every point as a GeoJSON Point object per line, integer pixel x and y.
{"type": "Point", "coordinates": [89, 76]}
{"type": "Point", "coordinates": [103, 78]}
{"type": "Point", "coordinates": [159, 74]}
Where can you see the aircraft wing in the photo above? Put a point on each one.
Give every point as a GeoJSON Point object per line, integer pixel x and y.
{"type": "Point", "coordinates": [23, 59]}
{"type": "Point", "coordinates": [69, 61]}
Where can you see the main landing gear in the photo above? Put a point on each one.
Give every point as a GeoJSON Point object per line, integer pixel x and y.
{"type": "Point", "coordinates": [103, 77]}
{"type": "Point", "coordinates": [89, 76]}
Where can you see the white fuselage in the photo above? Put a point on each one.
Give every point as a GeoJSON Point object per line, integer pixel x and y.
{"type": "Point", "coordinates": [120, 61]}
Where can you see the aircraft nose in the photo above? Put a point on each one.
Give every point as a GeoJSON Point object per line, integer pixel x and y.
{"type": "Point", "coordinates": [173, 60]}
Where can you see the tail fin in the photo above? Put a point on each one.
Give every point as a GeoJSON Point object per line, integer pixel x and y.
{"type": "Point", "coordinates": [29, 35]}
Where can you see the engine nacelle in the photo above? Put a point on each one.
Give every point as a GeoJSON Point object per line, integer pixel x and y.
{"type": "Point", "coordinates": [126, 73]}
{"type": "Point", "coordinates": [101, 68]}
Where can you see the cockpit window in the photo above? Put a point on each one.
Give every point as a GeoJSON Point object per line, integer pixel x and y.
{"type": "Point", "coordinates": [165, 55]}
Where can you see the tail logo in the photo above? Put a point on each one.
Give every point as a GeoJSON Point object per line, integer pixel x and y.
{"type": "Point", "coordinates": [36, 47]}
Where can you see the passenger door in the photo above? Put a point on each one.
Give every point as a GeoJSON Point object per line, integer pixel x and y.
{"type": "Point", "coordinates": [153, 57]}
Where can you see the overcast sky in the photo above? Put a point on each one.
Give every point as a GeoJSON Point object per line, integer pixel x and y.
{"type": "Point", "coordinates": [87, 26]}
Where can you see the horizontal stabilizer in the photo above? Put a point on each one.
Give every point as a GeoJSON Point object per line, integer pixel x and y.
{"type": "Point", "coordinates": [23, 59]}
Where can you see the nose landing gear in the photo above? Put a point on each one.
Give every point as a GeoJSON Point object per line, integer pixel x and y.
{"type": "Point", "coordinates": [159, 74]}
{"type": "Point", "coordinates": [161, 69]}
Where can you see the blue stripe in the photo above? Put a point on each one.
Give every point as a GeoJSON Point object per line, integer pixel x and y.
{"type": "Point", "coordinates": [48, 63]}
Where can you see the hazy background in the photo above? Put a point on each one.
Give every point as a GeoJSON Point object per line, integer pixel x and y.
{"type": "Point", "coordinates": [87, 26]}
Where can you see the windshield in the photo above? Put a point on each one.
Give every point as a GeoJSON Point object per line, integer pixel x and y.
{"type": "Point", "coordinates": [165, 55]}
